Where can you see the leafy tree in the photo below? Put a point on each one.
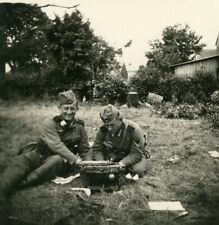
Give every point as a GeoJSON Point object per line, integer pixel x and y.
{"type": "Point", "coordinates": [81, 57]}
{"type": "Point", "coordinates": [70, 41]}
{"type": "Point", "coordinates": [179, 44]}
{"type": "Point", "coordinates": [103, 61]}
{"type": "Point", "coordinates": [67, 49]}
{"type": "Point", "coordinates": [124, 72]}
{"type": "Point", "coordinates": [147, 79]}
{"type": "Point", "coordinates": [103, 58]}
{"type": "Point", "coordinates": [22, 41]}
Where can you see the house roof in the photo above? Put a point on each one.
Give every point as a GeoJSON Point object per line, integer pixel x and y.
{"type": "Point", "coordinates": [194, 61]}
{"type": "Point", "coordinates": [207, 53]}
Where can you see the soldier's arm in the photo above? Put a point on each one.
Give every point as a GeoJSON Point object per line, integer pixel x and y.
{"type": "Point", "coordinates": [136, 149]}
{"type": "Point", "coordinates": [83, 146]}
{"type": "Point", "coordinates": [98, 146]}
{"type": "Point", "coordinates": [51, 138]}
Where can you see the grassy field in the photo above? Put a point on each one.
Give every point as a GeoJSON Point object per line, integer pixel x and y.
{"type": "Point", "coordinates": [193, 180]}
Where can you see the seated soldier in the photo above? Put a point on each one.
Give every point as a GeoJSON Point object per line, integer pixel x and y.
{"type": "Point", "coordinates": [64, 140]}
{"type": "Point", "coordinates": [121, 140]}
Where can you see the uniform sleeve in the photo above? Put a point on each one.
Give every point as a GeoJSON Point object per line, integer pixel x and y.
{"type": "Point", "coordinates": [136, 149]}
{"type": "Point", "coordinates": [52, 139]}
{"type": "Point", "coordinates": [98, 146]}
{"type": "Point", "coordinates": [83, 146]}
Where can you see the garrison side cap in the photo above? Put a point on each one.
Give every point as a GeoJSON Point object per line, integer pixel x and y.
{"type": "Point", "coordinates": [109, 113]}
{"type": "Point", "coordinates": [67, 97]}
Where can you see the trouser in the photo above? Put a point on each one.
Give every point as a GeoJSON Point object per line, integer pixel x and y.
{"type": "Point", "coordinates": [140, 167]}
{"type": "Point", "coordinates": [29, 168]}
{"type": "Point", "coordinates": [47, 171]}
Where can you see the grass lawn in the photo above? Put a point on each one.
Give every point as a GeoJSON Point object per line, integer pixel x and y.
{"type": "Point", "coordinates": [193, 180]}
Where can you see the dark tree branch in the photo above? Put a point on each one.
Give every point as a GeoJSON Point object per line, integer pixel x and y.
{"type": "Point", "coordinates": [53, 5]}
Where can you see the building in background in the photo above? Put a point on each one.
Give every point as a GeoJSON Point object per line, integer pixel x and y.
{"type": "Point", "coordinates": [206, 52]}
{"type": "Point", "coordinates": [131, 73]}
{"type": "Point", "coordinates": [206, 62]}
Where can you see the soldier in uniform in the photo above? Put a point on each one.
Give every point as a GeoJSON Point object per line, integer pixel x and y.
{"type": "Point", "coordinates": [64, 140]}
{"type": "Point", "coordinates": [121, 140]}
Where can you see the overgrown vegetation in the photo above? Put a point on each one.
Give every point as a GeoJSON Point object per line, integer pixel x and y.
{"type": "Point", "coordinates": [185, 111]}
{"type": "Point", "coordinates": [186, 90]}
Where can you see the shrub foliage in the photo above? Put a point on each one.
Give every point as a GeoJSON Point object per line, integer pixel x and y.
{"type": "Point", "coordinates": [113, 88]}
{"type": "Point", "coordinates": [185, 111]}
{"type": "Point", "coordinates": [189, 90]}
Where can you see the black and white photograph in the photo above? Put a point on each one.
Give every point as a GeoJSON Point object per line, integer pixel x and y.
{"type": "Point", "coordinates": [109, 112]}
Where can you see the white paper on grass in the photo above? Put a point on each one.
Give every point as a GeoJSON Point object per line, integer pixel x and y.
{"type": "Point", "coordinates": [166, 205]}
{"type": "Point", "coordinates": [62, 180]}
{"type": "Point", "coordinates": [130, 177]}
{"type": "Point", "coordinates": [136, 177]}
{"type": "Point", "coordinates": [214, 154]}
{"type": "Point", "coordinates": [87, 191]}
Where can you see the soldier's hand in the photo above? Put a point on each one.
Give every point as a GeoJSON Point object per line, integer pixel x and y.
{"type": "Point", "coordinates": [121, 164]}
{"type": "Point", "coordinates": [78, 161]}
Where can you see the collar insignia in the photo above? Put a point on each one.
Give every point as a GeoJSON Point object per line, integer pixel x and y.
{"type": "Point", "coordinates": [63, 123]}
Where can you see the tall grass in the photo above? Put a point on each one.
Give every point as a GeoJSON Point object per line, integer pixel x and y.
{"type": "Point", "coordinates": [193, 180]}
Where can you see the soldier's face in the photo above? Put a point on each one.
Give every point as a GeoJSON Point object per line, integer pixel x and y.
{"type": "Point", "coordinates": [68, 111]}
{"type": "Point", "coordinates": [113, 126]}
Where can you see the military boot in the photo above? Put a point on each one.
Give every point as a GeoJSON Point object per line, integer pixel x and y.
{"type": "Point", "coordinates": [31, 179]}
{"type": "Point", "coordinates": [4, 209]}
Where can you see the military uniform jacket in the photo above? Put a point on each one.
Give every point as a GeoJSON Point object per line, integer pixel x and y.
{"type": "Point", "coordinates": [128, 143]}
{"type": "Point", "coordinates": [66, 140]}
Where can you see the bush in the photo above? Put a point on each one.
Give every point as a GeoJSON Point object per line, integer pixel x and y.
{"type": "Point", "coordinates": [205, 82]}
{"type": "Point", "coordinates": [215, 97]}
{"type": "Point", "coordinates": [48, 83]}
{"type": "Point", "coordinates": [213, 114]}
{"type": "Point", "coordinates": [184, 111]}
{"type": "Point", "coordinates": [180, 87]}
{"type": "Point", "coordinates": [189, 98]}
{"type": "Point", "coordinates": [113, 88]}
{"type": "Point", "coordinates": [150, 80]}
{"type": "Point", "coordinates": [19, 85]}
{"type": "Point", "coordinates": [200, 86]}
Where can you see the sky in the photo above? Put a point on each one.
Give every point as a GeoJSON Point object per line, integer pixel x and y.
{"type": "Point", "coordinates": [142, 21]}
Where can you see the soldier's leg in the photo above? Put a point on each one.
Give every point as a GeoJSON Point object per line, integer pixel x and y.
{"type": "Point", "coordinates": [47, 171]}
{"type": "Point", "coordinates": [4, 209]}
{"type": "Point", "coordinates": [19, 167]}
{"type": "Point", "coordinates": [15, 172]}
{"type": "Point", "coordinates": [140, 167]}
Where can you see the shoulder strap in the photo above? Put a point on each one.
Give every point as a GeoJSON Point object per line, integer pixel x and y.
{"type": "Point", "coordinates": [80, 121]}
{"type": "Point", "coordinates": [128, 130]}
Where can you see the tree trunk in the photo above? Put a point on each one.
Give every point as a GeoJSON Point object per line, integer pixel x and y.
{"type": "Point", "coordinates": [2, 54]}
{"type": "Point", "coordinates": [2, 68]}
